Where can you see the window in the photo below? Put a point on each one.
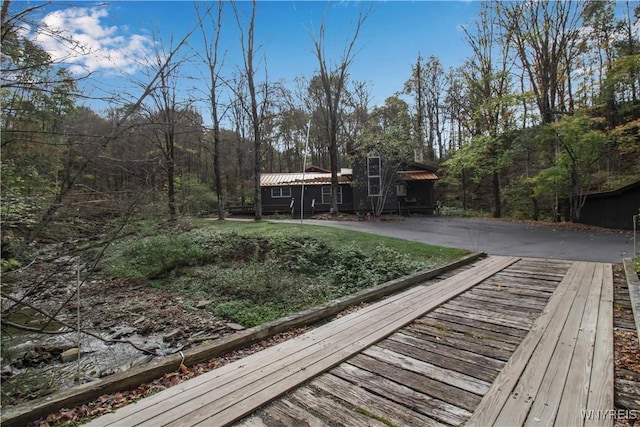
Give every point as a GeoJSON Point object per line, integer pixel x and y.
{"type": "Point", "coordinates": [326, 195]}
{"type": "Point", "coordinates": [280, 192]}
{"type": "Point", "coordinates": [401, 190]}
{"type": "Point", "coordinates": [373, 173]}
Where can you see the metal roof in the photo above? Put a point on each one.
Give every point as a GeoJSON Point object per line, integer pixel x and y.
{"type": "Point", "coordinates": [417, 176]}
{"type": "Point", "coordinates": [296, 178]}
{"type": "Point", "coordinates": [322, 178]}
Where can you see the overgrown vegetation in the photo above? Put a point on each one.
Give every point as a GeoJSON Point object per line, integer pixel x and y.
{"type": "Point", "coordinates": [252, 273]}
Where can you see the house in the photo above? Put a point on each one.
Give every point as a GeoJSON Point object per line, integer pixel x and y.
{"type": "Point", "coordinates": [282, 192]}
{"type": "Point", "coordinates": [367, 188]}
{"type": "Point", "coordinates": [404, 189]}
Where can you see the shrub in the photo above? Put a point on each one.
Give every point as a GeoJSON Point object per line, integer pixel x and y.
{"type": "Point", "coordinates": [154, 256]}
{"type": "Point", "coordinates": [252, 279]}
{"type": "Point", "coordinates": [249, 314]}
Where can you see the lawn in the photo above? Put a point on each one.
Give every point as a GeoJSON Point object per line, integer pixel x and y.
{"type": "Point", "coordinates": [255, 272]}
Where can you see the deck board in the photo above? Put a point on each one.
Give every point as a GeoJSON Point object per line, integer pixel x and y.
{"type": "Point", "coordinates": [564, 366]}
{"type": "Point", "coordinates": [392, 412]}
{"type": "Point", "coordinates": [601, 387]}
{"type": "Point", "coordinates": [504, 342]}
{"type": "Point", "coordinates": [228, 393]}
{"type": "Point", "coordinates": [555, 314]}
{"type": "Point", "coordinates": [546, 399]}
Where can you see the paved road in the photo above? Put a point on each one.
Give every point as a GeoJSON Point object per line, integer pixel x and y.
{"type": "Point", "coordinates": [503, 238]}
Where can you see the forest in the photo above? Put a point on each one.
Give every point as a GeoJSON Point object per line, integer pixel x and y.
{"type": "Point", "coordinates": [545, 111]}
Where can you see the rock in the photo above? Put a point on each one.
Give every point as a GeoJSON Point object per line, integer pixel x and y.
{"type": "Point", "coordinates": [172, 335]}
{"type": "Point", "coordinates": [138, 308]}
{"type": "Point", "coordinates": [203, 304]}
{"type": "Point", "coordinates": [122, 331]}
{"type": "Point", "coordinates": [69, 355]}
{"type": "Point", "coordinates": [139, 320]}
{"type": "Point", "coordinates": [235, 326]}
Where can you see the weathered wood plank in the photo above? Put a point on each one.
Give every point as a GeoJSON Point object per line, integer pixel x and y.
{"type": "Point", "coordinates": [316, 401]}
{"type": "Point", "coordinates": [419, 382]}
{"type": "Point", "coordinates": [634, 290]}
{"type": "Point", "coordinates": [497, 310]}
{"type": "Point", "coordinates": [517, 291]}
{"type": "Point", "coordinates": [484, 317]}
{"type": "Point", "coordinates": [552, 357]}
{"type": "Point", "coordinates": [433, 408]}
{"type": "Point", "coordinates": [234, 400]}
{"type": "Point", "coordinates": [289, 414]}
{"type": "Point", "coordinates": [546, 398]}
{"type": "Point", "coordinates": [456, 379]}
{"type": "Point", "coordinates": [494, 400]}
{"type": "Point", "coordinates": [451, 352]}
{"type": "Point", "coordinates": [509, 301]}
{"type": "Point", "coordinates": [391, 412]}
{"type": "Point", "coordinates": [601, 387]}
{"type": "Point", "coordinates": [270, 355]}
{"type": "Point", "coordinates": [473, 327]}
{"type": "Point", "coordinates": [440, 358]}
{"type": "Point", "coordinates": [521, 273]}
{"type": "Point", "coordinates": [494, 349]}
{"type": "Point", "coordinates": [522, 283]}
{"type": "Point", "coordinates": [576, 388]}
{"type": "Point", "coordinates": [555, 264]}
{"type": "Point", "coordinates": [253, 421]}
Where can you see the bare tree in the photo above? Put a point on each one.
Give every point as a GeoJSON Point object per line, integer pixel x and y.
{"type": "Point", "coordinates": [214, 64]}
{"type": "Point", "coordinates": [167, 119]}
{"type": "Point", "coordinates": [118, 127]}
{"type": "Point", "coordinates": [258, 102]}
{"type": "Point", "coordinates": [489, 85]}
{"type": "Point", "coordinates": [545, 35]}
{"type": "Point", "coordinates": [334, 79]}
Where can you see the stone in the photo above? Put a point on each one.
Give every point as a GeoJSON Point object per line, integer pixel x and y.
{"type": "Point", "coordinates": [235, 326]}
{"type": "Point", "coordinates": [69, 355]}
{"type": "Point", "coordinates": [172, 335]}
{"type": "Point", "coordinates": [203, 304]}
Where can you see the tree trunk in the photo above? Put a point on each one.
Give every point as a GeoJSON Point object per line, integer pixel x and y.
{"type": "Point", "coordinates": [495, 184]}
{"type": "Point", "coordinates": [216, 169]}
{"type": "Point", "coordinates": [171, 191]}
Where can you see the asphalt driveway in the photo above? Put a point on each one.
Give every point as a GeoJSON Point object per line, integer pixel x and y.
{"type": "Point", "coordinates": [502, 237]}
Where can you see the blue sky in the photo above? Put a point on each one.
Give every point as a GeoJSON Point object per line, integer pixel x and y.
{"type": "Point", "coordinates": [119, 34]}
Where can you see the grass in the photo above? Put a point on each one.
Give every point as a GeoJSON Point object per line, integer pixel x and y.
{"type": "Point", "coordinates": [255, 272]}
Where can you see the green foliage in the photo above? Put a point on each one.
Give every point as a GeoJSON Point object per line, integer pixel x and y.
{"type": "Point", "coordinates": [249, 314]}
{"type": "Point", "coordinates": [254, 273]}
{"type": "Point", "coordinates": [551, 180]}
{"type": "Point", "coordinates": [194, 197]}
{"type": "Point", "coordinates": [458, 211]}
{"type": "Point", "coordinates": [25, 193]}
{"type": "Point", "coordinates": [580, 145]}
{"type": "Point", "coordinates": [517, 199]}
{"type": "Point", "coordinates": [154, 256]}
{"type": "Point", "coordinates": [9, 264]}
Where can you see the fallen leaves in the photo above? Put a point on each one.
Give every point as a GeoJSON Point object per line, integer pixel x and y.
{"type": "Point", "coordinates": [110, 402]}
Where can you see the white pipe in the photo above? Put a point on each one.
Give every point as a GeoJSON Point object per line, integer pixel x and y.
{"type": "Point", "coordinates": [304, 168]}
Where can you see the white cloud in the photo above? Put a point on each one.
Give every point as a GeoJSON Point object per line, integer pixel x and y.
{"type": "Point", "coordinates": [77, 37]}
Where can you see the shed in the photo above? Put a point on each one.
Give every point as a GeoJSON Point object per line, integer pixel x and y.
{"type": "Point", "coordinates": [612, 209]}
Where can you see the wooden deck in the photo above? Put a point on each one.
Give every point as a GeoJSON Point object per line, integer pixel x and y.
{"type": "Point", "coordinates": [506, 342]}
